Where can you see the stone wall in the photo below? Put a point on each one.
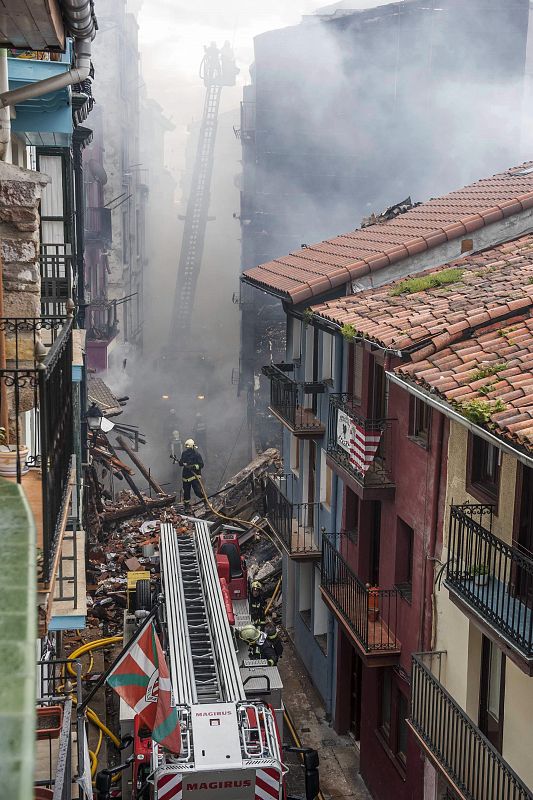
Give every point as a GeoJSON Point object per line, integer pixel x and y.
{"type": "Point", "coordinates": [20, 194]}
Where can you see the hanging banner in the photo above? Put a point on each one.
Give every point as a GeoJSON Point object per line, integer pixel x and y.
{"type": "Point", "coordinates": [343, 430]}
{"type": "Point", "coordinates": [363, 447]}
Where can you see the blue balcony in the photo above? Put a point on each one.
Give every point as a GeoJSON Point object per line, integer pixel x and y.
{"type": "Point", "coordinates": [45, 120]}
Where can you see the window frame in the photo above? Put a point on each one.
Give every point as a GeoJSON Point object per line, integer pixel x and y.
{"type": "Point", "coordinates": [418, 434]}
{"type": "Point", "coordinates": [476, 484]}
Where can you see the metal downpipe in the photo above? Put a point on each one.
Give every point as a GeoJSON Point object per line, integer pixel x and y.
{"type": "Point", "coordinates": [77, 74]}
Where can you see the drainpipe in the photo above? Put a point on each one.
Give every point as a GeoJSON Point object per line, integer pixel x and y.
{"type": "Point", "coordinates": [77, 74]}
{"type": "Point", "coordinates": [428, 567]}
{"type": "Point", "coordinates": [5, 116]}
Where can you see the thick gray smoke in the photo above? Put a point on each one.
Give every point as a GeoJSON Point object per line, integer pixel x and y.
{"type": "Point", "coordinates": [354, 113]}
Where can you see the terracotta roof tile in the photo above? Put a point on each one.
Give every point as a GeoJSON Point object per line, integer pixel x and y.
{"type": "Point", "coordinates": [356, 253]}
{"type": "Point", "coordinates": [492, 286]}
{"type": "Point", "coordinates": [512, 386]}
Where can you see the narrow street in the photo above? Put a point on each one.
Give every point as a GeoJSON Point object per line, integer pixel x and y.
{"type": "Point", "coordinates": [266, 400]}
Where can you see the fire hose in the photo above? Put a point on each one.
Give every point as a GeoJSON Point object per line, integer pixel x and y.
{"type": "Point", "coordinates": [92, 716]}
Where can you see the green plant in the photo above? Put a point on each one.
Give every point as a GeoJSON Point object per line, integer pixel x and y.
{"type": "Point", "coordinates": [530, 280]}
{"type": "Point", "coordinates": [480, 569]}
{"type": "Point", "coordinates": [307, 316]}
{"type": "Point", "coordinates": [485, 389]}
{"type": "Point", "coordinates": [480, 411]}
{"type": "Point", "coordinates": [3, 436]}
{"type": "Point", "coordinates": [486, 372]}
{"type": "Point", "coordinates": [349, 332]}
{"type": "Point", "coordinates": [424, 282]}
{"type": "Point", "coordinates": [506, 333]}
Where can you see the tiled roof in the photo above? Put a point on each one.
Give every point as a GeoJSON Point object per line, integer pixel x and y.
{"type": "Point", "coordinates": [490, 285]}
{"type": "Point", "coordinates": [318, 268]}
{"type": "Point", "coordinates": [99, 392]}
{"type": "Point", "coordinates": [470, 340]}
{"type": "Point", "coordinates": [506, 396]}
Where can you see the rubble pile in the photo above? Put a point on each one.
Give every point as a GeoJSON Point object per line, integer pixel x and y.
{"type": "Point", "coordinates": [124, 537]}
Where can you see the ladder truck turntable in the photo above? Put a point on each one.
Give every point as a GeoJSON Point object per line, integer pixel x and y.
{"type": "Point", "coordinates": [230, 716]}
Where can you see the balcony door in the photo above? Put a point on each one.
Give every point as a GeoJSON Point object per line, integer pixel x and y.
{"type": "Point", "coordinates": [356, 672]}
{"type": "Point", "coordinates": [378, 400]}
{"type": "Point", "coordinates": [524, 583]}
{"type": "Point", "coordinates": [311, 479]}
{"type": "Point", "coordinates": [492, 693]}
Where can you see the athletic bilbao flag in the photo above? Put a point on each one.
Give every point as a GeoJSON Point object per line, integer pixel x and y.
{"type": "Point", "coordinates": [142, 679]}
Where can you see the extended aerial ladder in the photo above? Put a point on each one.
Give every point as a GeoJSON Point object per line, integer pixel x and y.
{"type": "Point", "coordinates": [217, 70]}
{"type": "Point", "coordinates": [230, 745]}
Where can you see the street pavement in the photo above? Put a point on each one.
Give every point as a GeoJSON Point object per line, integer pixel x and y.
{"type": "Point", "coordinates": [339, 758]}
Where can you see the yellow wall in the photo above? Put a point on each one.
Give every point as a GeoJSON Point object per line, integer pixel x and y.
{"type": "Point", "coordinates": [461, 639]}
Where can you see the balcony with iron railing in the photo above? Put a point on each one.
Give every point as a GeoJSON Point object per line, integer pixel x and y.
{"type": "Point", "coordinates": [491, 580]}
{"type": "Point", "coordinates": [98, 224]}
{"type": "Point", "coordinates": [56, 267]}
{"type": "Point", "coordinates": [359, 449]}
{"type": "Point", "coordinates": [59, 755]}
{"type": "Point", "coordinates": [293, 523]}
{"type": "Point", "coordinates": [295, 404]}
{"type": "Point", "coordinates": [467, 759]}
{"type": "Point", "coordinates": [37, 412]}
{"type": "Point", "coordinates": [368, 614]}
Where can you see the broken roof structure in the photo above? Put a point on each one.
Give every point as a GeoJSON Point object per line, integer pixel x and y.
{"type": "Point", "coordinates": [317, 269]}
{"type": "Point", "coordinates": [464, 333]}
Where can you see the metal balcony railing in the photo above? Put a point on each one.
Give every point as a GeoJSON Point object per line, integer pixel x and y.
{"type": "Point", "coordinates": [463, 753]}
{"type": "Point", "coordinates": [294, 523]}
{"type": "Point", "coordinates": [56, 266]}
{"type": "Point", "coordinates": [370, 613]}
{"type": "Point", "coordinates": [98, 224]}
{"type": "Point", "coordinates": [490, 576]}
{"type": "Point", "coordinates": [361, 446]}
{"type": "Point", "coordinates": [295, 403]}
{"type": "Point", "coordinates": [36, 398]}
{"type": "Point", "coordinates": [58, 760]}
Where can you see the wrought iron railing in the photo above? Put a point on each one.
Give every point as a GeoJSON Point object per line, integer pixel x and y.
{"type": "Point", "coordinates": [362, 446]}
{"type": "Point", "coordinates": [56, 265]}
{"type": "Point", "coordinates": [58, 689]}
{"type": "Point", "coordinates": [465, 755]}
{"type": "Point", "coordinates": [36, 400]}
{"type": "Point", "coordinates": [369, 612]}
{"type": "Point", "coordinates": [294, 523]}
{"type": "Point", "coordinates": [297, 403]}
{"type": "Point", "coordinates": [494, 578]}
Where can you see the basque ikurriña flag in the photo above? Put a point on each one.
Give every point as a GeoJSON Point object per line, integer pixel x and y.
{"type": "Point", "coordinates": [142, 679]}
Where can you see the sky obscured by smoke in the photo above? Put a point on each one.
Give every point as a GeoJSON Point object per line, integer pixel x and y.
{"type": "Point", "coordinates": [172, 35]}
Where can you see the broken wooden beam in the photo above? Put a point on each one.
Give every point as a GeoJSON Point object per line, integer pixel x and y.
{"type": "Point", "coordinates": [140, 466]}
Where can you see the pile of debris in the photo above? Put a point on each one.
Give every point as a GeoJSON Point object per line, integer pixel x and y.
{"type": "Point", "coordinates": [124, 536]}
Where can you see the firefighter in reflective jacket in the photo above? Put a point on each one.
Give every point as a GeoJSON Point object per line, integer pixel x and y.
{"type": "Point", "coordinates": [257, 604]}
{"type": "Point", "coordinates": [273, 638]}
{"type": "Point", "coordinates": [259, 646]}
{"type": "Point", "coordinates": [192, 463]}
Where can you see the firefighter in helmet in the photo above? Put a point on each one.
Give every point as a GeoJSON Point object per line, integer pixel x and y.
{"type": "Point", "coordinates": [257, 604]}
{"type": "Point", "coordinates": [192, 463]}
{"type": "Point", "coordinates": [274, 639]}
{"type": "Point", "coordinates": [258, 645]}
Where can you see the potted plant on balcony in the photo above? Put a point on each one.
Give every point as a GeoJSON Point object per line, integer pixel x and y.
{"type": "Point", "coordinates": [373, 602]}
{"type": "Point", "coordinates": [481, 574]}
{"type": "Point", "coordinates": [8, 457]}
{"type": "Point", "coordinates": [49, 721]}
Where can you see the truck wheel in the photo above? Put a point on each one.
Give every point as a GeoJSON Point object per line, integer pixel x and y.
{"type": "Point", "coordinates": [143, 596]}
